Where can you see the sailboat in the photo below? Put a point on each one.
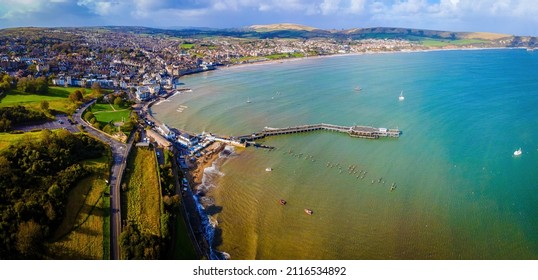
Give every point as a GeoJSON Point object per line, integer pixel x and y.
{"type": "Point", "coordinates": [518, 152]}
{"type": "Point", "coordinates": [401, 98]}
{"type": "Point", "coordinates": [248, 100]}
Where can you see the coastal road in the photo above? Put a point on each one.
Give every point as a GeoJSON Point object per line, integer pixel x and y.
{"type": "Point", "coordinates": [120, 151]}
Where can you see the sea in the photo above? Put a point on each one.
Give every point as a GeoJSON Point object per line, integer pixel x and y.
{"type": "Point", "coordinates": [450, 187]}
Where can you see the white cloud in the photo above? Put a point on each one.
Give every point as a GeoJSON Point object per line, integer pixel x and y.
{"type": "Point", "coordinates": [356, 6]}
{"type": "Point", "coordinates": [440, 14]}
{"type": "Point", "coordinates": [328, 7]}
{"type": "Point", "coordinates": [17, 8]}
{"type": "Point", "coordinates": [104, 8]}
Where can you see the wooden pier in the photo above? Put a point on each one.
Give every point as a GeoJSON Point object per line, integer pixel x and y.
{"type": "Point", "coordinates": [367, 132]}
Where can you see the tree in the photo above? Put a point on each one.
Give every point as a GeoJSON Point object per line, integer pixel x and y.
{"type": "Point", "coordinates": [76, 96]}
{"type": "Point", "coordinates": [32, 68]}
{"type": "Point", "coordinates": [5, 125]}
{"type": "Point", "coordinates": [88, 116]}
{"type": "Point", "coordinates": [23, 84]}
{"type": "Point", "coordinates": [108, 129]}
{"type": "Point", "coordinates": [41, 85]}
{"type": "Point", "coordinates": [5, 82]}
{"type": "Point", "coordinates": [46, 136]}
{"type": "Point", "coordinates": [118, 101]}
{"type": "Point", "coordinates": [44, 105]}
{"type": "Point", "coordinates": [96, 88]}
{"type": "Point", "coordinates": [29, 238]}
{"type": "Point", "coordinates": [5, 166]}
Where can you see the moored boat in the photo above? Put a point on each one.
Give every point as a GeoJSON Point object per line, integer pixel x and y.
{"type": "Point", "coordinates": [401, 98]}
{"type": "Point", "coordinates": [308, 211]}
{"type": "Point", "coordinates": [518, 152]}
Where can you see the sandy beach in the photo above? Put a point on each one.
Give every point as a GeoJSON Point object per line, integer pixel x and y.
{"type": "Point", "coordinates": [197, 168]}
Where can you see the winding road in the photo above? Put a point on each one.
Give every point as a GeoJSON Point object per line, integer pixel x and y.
{"type": "Point", "coordinates": [120, 151]}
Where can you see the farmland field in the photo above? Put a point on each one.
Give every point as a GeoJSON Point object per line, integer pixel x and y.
{"type": "Point", "coordinates": [141, 202]}
{"type": "Point", "coordinates": [85, 230]}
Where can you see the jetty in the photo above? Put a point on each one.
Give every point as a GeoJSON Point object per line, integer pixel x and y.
{"type": "Point", "coordinates": [367, 132]}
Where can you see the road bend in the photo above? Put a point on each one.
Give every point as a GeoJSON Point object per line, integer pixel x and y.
{"type": "Point", "coordinates": [120, 151]}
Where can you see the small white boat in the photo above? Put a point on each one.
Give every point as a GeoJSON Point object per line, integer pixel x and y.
{"type": "Point", "coordinates": [248, 100]}
{"type": "Point", "coordinates": [518, 152]}
{"type": "Point", "coordinates": [268, 169]}
{"type": "Point", "coordinates": [357, 88]}
{"type": "Point", "coordinates": [401, 98]}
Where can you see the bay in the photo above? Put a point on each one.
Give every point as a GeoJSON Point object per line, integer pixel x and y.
{"type": "Point", "coordinates": [460, 192]}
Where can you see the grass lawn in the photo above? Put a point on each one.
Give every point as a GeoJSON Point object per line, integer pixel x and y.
{"type": "Point", "coordinates": [285, 55]}
{"type": "Point", "coordinates": [444, 43]}
{"type": "Point", "coordinates": [142, 200]}
{"type": "Point", "coordinates": [187, 46]}
{"type": "Point", "coordinates": [7, 139]}
{"type": "Point", "coordinates": [58, 98]}
{"type": "Point", "coordinates": [104, 113]}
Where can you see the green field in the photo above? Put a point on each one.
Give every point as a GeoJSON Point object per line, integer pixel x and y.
{"type": "Point", "coordinates": [58, 98]}
{"type": "Point", "coordinates": [141, 202]}
{"type": "Point", "coordinates": [187, 46]}
{"type": "Point", "coordinates": [85, 230]}
{"type": "Point", "coordinates": [105, 113]}
{"type": "Point", "coordinates": [444, 43]}
{"type": "Point", "coordinates": [7, 139]}
{"type": "Point", "coordinates": [285, 55]}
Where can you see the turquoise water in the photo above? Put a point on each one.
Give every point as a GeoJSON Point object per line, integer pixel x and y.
{"type": "Point", "coordinates": [461, 194]}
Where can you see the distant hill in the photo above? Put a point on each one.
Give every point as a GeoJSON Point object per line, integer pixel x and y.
{"type": "Point", "coordinates": [281, 27]}
{"type": "Point", "coordinates": [432, 38]}
{"type": "Point", "coordinates": [410, 33]}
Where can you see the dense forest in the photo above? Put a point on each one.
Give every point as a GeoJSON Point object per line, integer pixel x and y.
{"type": "Point", "coordinates": [35, 177]}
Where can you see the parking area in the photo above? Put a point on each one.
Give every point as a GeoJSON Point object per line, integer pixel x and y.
{"type": "Point", "coordinates": [62, 121]}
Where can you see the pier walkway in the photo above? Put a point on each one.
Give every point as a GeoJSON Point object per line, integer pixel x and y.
{"type": "Point", "coordinates": [353, 131]}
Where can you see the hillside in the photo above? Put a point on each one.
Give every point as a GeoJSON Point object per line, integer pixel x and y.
{"type": "Point", "coordinates": [289, 31]}
{"type": "Point", "coordinates": [281, 27]}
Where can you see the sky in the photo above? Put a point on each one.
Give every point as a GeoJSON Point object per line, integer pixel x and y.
{"type": "Point", "coordinates": [517, 17]}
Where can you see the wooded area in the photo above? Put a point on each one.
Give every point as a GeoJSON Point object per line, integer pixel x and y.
{"type": "Point", "coordinates": [35, 177]}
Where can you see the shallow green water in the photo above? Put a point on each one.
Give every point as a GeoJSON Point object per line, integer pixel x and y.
{"type": "Point", "coordinates": [460, 192]}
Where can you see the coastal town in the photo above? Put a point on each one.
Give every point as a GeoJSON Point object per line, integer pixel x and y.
{"type": "Point", "coordinates": [153, 64]}
{"type": "Point", "coordinates": [135, 71]}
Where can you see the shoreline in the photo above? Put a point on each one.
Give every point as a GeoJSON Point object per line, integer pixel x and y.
{"type": "Point", "coordinates": [196, 173]}
{"type": "Point", "coordinates": [295, 59]}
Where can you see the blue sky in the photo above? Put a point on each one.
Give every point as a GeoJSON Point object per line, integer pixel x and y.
{"type": "Point", "coordinates": [517, 17]}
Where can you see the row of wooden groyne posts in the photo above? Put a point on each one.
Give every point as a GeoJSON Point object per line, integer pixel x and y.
{"type": "Point", "coordinates": [367, 132]}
